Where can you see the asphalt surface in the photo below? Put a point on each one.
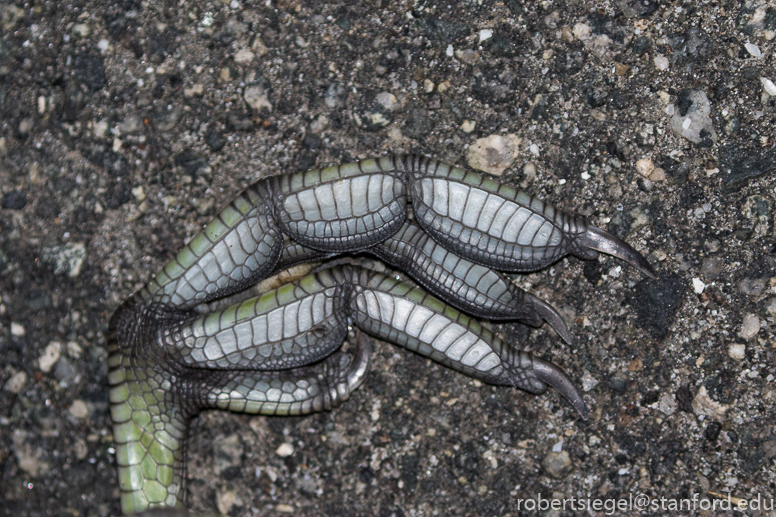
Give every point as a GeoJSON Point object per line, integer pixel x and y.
{"type": "Point", "coordinates": [125, 126]}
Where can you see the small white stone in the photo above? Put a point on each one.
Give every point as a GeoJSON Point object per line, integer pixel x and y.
{"type": "Point", "coordinates": [319, 124]}
{"type": "Point", "coordinates": [468, 126]}
{"type": "Point", "coordinates": [750, 327]}
{"type": "Point", "coordinates": [50, 356]}
{"type": "Point", "coordinates": [16, 382]}
{"type": "Point", "coordinates": [257, 98]}
{"type": "Point", "coordinates": [485, 34]}
{"type": "Point", "coordinates": [661, 62]}
{"type": "Point", "coordinates": [81, 30]}
{"type": "Point", "coordinates": [79, 409]}
{"type": "Point", "coordinates": [285, 450]}
{"type": "Point", "coordinates": [243, 56]}
{"type": "Point", "coordinates": [101, 128]}
{"type": "Point", "coordinates": [737, 351]}
{"type": "Point", "coordinates": [494, 153]}
{"type": "Point", "coordinates": [103, 46]}
{"type": "Point", "coordinates": [769, 86]}
{"type": "Point", "coordinates": [387, 100]}
{"type": "Point", "coordinates": [139, 193]}
{"type": "Point", "coordinates": [698, 286]}
{"type": "Point", "coordinates": [195, 90]}
{"type": "Point", "coordinates": [17, 329]}
{"type": "Point", "coordinates": [582, 31]}
{"type": "Point", "coordinates": [428, 85]}
{"type": "Point", "coordinates": [687, 123]}
{"type": "Point", "coordinates": [449, 51]}
{"type": "Point", "coordinates": [754, 50]}
{"type": "Point", "coordinates": [588, 382]}
{"type": "Point", "coordinates": [645, 167]}
{"type": "Point", "coordinates": [615, 272]}
{"type": "Point", "coordinates": [703, 404]}
{"type": "Point", "coordinates": [667, 404]}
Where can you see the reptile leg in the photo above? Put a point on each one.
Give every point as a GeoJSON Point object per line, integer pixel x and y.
{"type": "Point", "coordinates": [152, 405]}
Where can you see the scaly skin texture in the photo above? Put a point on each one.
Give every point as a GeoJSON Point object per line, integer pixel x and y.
{"type": "Point", "coordinates": [173, 354]}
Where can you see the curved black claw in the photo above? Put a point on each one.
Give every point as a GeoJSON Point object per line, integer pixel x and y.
{"type": "Point", "coordinates": [599, 240]}
{"type": "Point", "coordinates": [553, 375]}
{"type": "Point", "coordinates": [551, 316]}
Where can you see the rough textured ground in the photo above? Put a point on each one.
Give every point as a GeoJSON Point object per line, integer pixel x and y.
{"type": "Point", "coordinates": [125, 126]}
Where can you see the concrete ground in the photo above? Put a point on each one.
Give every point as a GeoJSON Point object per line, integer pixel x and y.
{"type": "Point", "coordinates": [124, 127]}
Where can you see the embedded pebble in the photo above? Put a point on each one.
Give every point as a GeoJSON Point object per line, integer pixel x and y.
{"type": "Point", "coordinates": [588, 382]}
{"type": "Point", "coordinates": [739, 166]}
{"type": "Point", "coordinates": [319, 124]}
{"type": "Point", "coordinates": [711, 267]}
{"type": "Point", "coordinates": [14, 200]}
{"type": "Point", "coordinates": [667, 404]}
{"type": "Point", "coordinates": [11, 15]}
{"type": "Point", "coordinates": [750, 327]}
{"type": "Point", "coordinates": [703, 404]}
{"type": "Point", "coordinates": [26, 456]}
{"type": "Point", "coordinates": [387, 100]}
{"type": "Point", "coordinates": [79, 409]}
{"type": "Point", "coordinates": [243, 56]}
{"type": "Point", "coordinates": [17, 329]}
{"type": "Point", "coordinates": [752, 286]}
{"type": "Point", "coordinates": [50, 356]}
{"type": "Point", "coordinates": [285, 450]}
{"type": "Point", "coordinates": [753, 50]}
{"type": "Point", "coordinates": [770, 307]}
{"type": "Point", "coordinates": [257, 97]}
{"type": "Point", "coordinates": [131, 125]}
{"type": "Point", "coordinates": [737, 351]}
{"type": "Point", "coordinates": [658, 174]}
{"type": "Point", "coordinates": [195, 90]}
{"type": "Point", "coordinates": [645, 167]}
{"type": "Point", "coordinates": [691, 119]}
{"type": "Point", "coordinates": [16, 382]}
{"type": "Point", "coordinates": [769, 86]}
{"type": "Point", "coordinates": [226, 498]}
{"type": "Point", "coordinates": [698, 286]}
{"type": "Point", "coordinates": [557, 464]}
{"type": "Point", "coordinates": [467, 126]}
{"type": "Point", "coordinates": [661, 62]}
{"type": "Point", "coordinates": [67, 259]}
{"type": "Point", "coordinates": [376, 111]}
{"type": "Point", "coordinates": [493, 154]}
{"type": "Point", "coordinates": [334, 97]}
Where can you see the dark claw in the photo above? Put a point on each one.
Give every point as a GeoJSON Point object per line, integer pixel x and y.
{"type": "Point", "coordinates": [553, 375]}
{"type": "Point", "coordinates": [605, 242]}
{"type": "Point", "coordinates": [359, 366]}
{"type": "Point", "coordinates": [555, 320]}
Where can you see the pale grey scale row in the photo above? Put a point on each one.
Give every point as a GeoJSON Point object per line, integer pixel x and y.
{"type": "Point", "coordinates": [400, 319]}
{"type": "Point", "coordinates": [294, 392]}
{"type": "Point", "coordinates": [288, 336]}
{"type": "Point", "coordinates": [227, 264]}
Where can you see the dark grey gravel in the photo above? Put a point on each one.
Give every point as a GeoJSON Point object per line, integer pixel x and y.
{"type": "Point", "coordinates": [14, 200]}
{"type": "Point", "coordinates": [124, 127]}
